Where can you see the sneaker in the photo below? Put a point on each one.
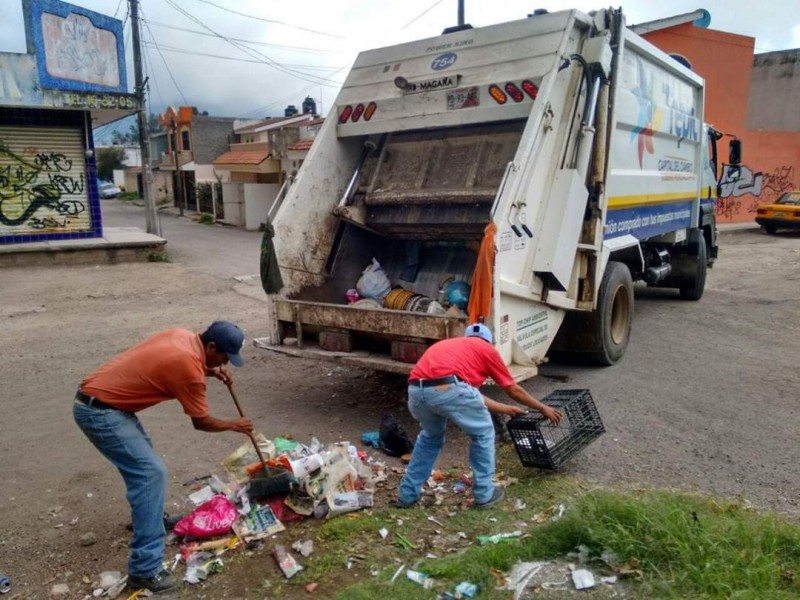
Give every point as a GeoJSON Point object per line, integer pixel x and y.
{"type": "Point", "coordinates": [497, 496]}
{"type": "Point", "coordinates": [159, 583]}
{"type": "Point", "coordinates": [397, 503]}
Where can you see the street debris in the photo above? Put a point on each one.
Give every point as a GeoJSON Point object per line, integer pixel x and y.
{"type": "Point", "coordinates": [420, 578]}
{"type": "Point", "coordinates": [484, 540]}
{"type": "Point", "coordinates": [465, 589]}
{"type": "Point", "coordinates": [88, 538]}
{"type": "Point", "coordinates": [304, 548]}
{"type": "Point", "coordinates": [582, 579]}
{"type": "Point", "coordinates": [286, 562]}
{"type": "Point", "coordinates": [383, 532]}
{"type": "Point", "coordinates": [5, 584]}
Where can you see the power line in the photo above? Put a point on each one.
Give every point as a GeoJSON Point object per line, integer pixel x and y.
{"type": "Point", "coordinates": [250, 52]}
{"type": "Point", "coordinates": [236, 12]}
{"type": "Point", "coordinates": [423, 13]}
{"type": "Point", "coordinates": [171, 76]}
{"type": "Point", "coordinates": [247, 60]}
{"type": "Point", "coordinates": [116, 12]}
{"type": "Point", "coordinates": [278, 46]}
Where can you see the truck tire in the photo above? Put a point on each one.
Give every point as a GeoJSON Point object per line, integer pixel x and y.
{"type": "Point", "coordinates": [611, 322]}
{"type": "Point", "coordinates": [694, 290]}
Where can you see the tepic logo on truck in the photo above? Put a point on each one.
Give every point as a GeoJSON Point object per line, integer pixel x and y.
{"type": "Point", "coordinates": [443, 61]}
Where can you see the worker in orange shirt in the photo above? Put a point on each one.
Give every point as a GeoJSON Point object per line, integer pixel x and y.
{"type": "Point", "coordinates": [443, 386]}
{"type": "Point", "coordinates": [172, 364]}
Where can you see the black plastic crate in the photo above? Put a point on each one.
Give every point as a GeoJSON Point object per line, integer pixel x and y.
{"type": "Point", "coordinates": [541, 444]}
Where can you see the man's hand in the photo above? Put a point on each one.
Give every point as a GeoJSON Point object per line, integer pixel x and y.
{"type": "Point", "coordinates": [515, 411]}
{"type": "Point", "coordinates": [243, 425]}
{"type": "Point", "coordinates": [551, 414]}
{"type": "Point", "coordinates": [223, 375]}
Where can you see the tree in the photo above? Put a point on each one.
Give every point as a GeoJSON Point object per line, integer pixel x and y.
{"type": "Point", "coordinates": [132, 135]}
{"type": "Point", "coordinates": [109, 159]}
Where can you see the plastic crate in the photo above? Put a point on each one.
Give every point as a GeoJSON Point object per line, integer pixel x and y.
{"type": "Point", "coordinates": [541, 444]}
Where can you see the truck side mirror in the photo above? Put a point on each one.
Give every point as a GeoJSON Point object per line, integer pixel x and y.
{"type": "Point", "coordinates": [735, 152]}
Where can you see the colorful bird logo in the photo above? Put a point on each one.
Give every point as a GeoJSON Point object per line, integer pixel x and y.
{"type": "Point", "coordinates": [649, 117]}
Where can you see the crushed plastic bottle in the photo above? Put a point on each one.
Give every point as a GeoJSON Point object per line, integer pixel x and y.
{"type": "Point", "coordinates": [5, 584]}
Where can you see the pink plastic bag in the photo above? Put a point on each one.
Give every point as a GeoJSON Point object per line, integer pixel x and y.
{"type": "Point", "coordinates": [215, 517]}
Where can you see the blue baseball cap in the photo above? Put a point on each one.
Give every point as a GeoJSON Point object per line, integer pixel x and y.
{"type": "Point", "coordinates": [229, 338]}
{"type": "Point", "coordinates": [479, 330]}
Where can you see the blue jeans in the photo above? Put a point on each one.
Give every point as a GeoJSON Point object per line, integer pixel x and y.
{"type": "Point", "coordinates": [432, 407]}
{"type": "Point", "coordinates": [120, 437]}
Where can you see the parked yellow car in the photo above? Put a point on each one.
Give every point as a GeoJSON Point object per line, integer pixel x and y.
{"type": "Point", "coordinates": [784, 213]}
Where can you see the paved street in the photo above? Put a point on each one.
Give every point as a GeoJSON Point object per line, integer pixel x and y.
{"type": "Point", "coordinates": [218, 250]}
{"type": "Point", "coordinates": [705, 399]}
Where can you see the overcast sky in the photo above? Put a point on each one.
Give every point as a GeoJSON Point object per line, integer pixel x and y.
{"type": "Point", "coordinates": [317, 40]}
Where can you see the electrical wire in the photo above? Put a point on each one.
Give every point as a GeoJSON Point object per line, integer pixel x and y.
{"type": "Point", "coordinates": [169, 71]}
{"type": "Point", "coordinates": [276, 22]}
{"type": "Point", "coordinates": [116, 12]}
{"type": "Point", "coordinates": [250, 52]}
{"type": "Point", "coordinates": [423, 13]}
{"type": "Point", "coordinates": [253, 42]}
{"type": "Point", "coordinates": [247, 60]}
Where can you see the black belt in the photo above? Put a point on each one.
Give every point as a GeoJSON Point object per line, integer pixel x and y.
{"type": "Point", "coordinates": [92, 402]}
{"type": "Point", "coordinates": [434, 382]}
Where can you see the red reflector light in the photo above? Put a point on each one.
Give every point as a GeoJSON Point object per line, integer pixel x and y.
{"type": "Point", "coordinates": [371, 108]}
{"type": "Point", "coordinates": [530, 89]}
{"type": "Point", "coordinates": [498, 94]}
{"type": "Point", "coordinates": [514, 92]}
{"type": "Point", "coordinates": [348, 110]}
{"type": "Point", "coordinates": [358, 112]}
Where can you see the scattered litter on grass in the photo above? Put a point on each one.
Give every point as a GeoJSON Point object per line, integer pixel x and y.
{"type": "Point", "coordinates": [304, 548]}
{"type": "Point", "coordinates": [465, 589]}
{"type": "Point", "coordinates": [420, 578]}
{"type": "Point", "coordinates": [286, 561]}
{"type": "Point", "coordinates": [383, 532]}
{"type": "Point", "coordinates": [484, 540]}
{"type": "Point", "coordinates": [583, 579]}
{"type": "Point", "coordinates": [521, 573]}
{"type": "Point", "coordinates": [397, 573]}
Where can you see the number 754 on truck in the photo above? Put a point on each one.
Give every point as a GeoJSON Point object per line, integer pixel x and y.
{"type": "Point", "coordinates": [551, 161]}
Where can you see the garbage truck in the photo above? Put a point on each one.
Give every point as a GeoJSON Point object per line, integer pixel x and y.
{"type": "Point", "coordinates": [542, 165]}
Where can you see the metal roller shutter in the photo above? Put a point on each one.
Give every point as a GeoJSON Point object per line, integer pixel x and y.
{"type": "Point", "coordinates": [43, 186]}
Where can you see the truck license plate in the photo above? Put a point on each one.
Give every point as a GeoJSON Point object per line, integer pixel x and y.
{"type": "Point", "coordinates": [462, 98]}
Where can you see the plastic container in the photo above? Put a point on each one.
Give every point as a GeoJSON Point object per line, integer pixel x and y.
{"type": "Point", "coordinates": [541, 444]}
{"type": "Point", "coordinates": [5, 584]}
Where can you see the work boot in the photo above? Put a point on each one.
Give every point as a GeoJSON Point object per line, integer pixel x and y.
{"type": "Point", "coordinates": [158, 583]}
{"type": "Point", "coordinates": [497, 496]}
{"type": "Point", "coordinates": [397, 503]}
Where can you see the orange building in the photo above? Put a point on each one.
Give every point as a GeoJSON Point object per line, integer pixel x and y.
{"type": "Point", "coordinates": [751, 97]}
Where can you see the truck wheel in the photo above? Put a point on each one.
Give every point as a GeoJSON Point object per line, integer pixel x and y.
{"type": "Point", "coordinates": [694, 289]}
{"type": "Point", "coordinates": [612, 320]}
{"type": "Point", "coordinates": [770, 229]}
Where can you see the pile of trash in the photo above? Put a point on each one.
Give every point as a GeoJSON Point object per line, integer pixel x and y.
{"type": "Point", "coordinates": [374, 290]}
{"type": "Point", "coordinates": [257, 500]}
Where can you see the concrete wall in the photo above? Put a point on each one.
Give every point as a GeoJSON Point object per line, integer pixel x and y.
{"type": "Point", "coordinates": [771, 159]}
{"type": "Point", "coordinates": [246, 204]}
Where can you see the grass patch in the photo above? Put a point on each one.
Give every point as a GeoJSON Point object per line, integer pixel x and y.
{"type": "Point", "coordinates": [686, 546]}
{"type": "Point", "coordinates": [158, 256]}
{"type": "Point", "coordinates": [128, 196]}
{"type": "Point", "coordinates": [206, 219]}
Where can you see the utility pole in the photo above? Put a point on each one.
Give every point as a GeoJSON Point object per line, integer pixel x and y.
{"type": "Point", "coordinates": [178, 174]}
{"type": "Point", "coordinates": [460, 12]}
{"type": "Point", "coordinates": [153, 224]}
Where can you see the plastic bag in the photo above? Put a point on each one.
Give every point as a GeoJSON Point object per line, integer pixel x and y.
{"type": "Point", "coordinates": [394, 440]}
{"type": "Point", "coordinates": [373, 282]}
{"type": "Point", "coordinates": [215, 517]}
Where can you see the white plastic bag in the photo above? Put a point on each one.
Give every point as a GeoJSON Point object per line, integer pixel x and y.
{"type": "Point", "coordinates": [373, 282]}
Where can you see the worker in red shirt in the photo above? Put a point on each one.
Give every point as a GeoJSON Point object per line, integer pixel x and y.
{"type": "Point", "coordinates": [444, 385]}
{"type": "Point", "coordinates": [171, 364]}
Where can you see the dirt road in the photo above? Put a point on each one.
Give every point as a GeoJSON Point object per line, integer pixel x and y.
{"type": "Point", "coordinates": [705, 399]}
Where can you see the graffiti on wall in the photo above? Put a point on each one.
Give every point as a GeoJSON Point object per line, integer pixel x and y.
{"type": "Point", "coordinates": [739, 198]}
{"type": "Point", "coordinates": [41, 192]}
{"type": "Point", "coordinates": [75, 49]}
